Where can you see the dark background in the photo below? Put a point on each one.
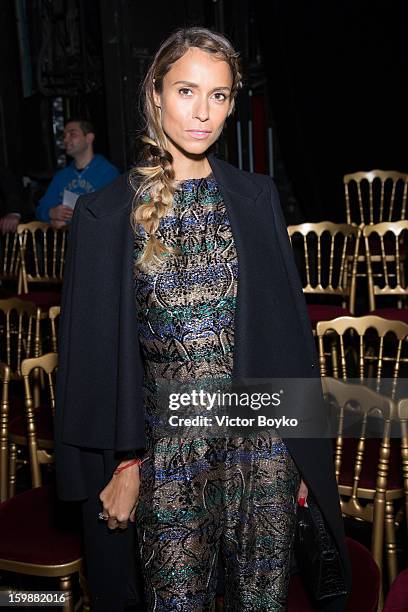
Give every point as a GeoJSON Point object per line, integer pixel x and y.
{"type": "Point", "coordinates": [329, 78]}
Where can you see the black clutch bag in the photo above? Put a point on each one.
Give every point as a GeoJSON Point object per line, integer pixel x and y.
{"type": "Point", "coordinates": [317, 557]}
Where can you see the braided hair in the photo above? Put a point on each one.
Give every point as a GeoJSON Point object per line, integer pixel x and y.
{"type": "Point", "coordinates": [153, 180]}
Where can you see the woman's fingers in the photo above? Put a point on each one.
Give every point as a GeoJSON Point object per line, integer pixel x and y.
{"type": "Point", "coordinates": [132, 514]}
{"type": "Point", "coordinates": [119, 500]}
{"type": "Point", "coordinates": [112, 522]}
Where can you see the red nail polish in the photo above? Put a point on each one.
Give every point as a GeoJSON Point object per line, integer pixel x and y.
{"type": "Point", "coordinates": [301, 501]}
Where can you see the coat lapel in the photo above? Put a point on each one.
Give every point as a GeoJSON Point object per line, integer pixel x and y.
{"type": "Point", "coordinates": [242, 215]}
{"type": "Point", "coordinates": [267, 323]}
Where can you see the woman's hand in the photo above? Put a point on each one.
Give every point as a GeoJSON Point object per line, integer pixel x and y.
{"type": "Point", "coordinates": [302, 492]}
{"type": "Point", "coordinates": [120, 496]}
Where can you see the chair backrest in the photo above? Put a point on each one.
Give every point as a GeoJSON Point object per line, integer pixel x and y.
{"type": "Point", "coordinates": [375, 196]}
{"type": "Point", "coordinates": [326, 254]}
{"type": "Point", "coordinates": [4, 416]}
{"type": "Point", "coordinates": [53, 314]}
{"type": "Point", "coordinates": [19, 333]}
{"type": "Point", "coordinates": [9, 257]}
{"type": "Point", "coordinates": [42, 250]}
{"type": "Point", "coordinates": [385, 246]}
{"type": "Point", "coordinates": [370, 348]}
{"type": "Point", "coordinates": [362, 404]}
{"type": "Point", "coordinates": [30, 368]}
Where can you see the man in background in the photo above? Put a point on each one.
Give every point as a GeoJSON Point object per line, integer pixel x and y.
{"type": "Point", "coordinates": [86, 173]}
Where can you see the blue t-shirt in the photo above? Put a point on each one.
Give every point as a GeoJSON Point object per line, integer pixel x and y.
{"type": "Point", "coordinates": [98, 173]}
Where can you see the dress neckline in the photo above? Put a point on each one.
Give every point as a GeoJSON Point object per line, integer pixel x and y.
{"type": "Point", "coordinates": [196, 180]}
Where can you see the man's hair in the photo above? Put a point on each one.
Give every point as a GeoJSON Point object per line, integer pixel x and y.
{"type": "Point", "coordinates": [85, 125]}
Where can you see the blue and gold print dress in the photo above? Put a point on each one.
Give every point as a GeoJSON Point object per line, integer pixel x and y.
{"type": "Point", "coordinates": [204, 497]}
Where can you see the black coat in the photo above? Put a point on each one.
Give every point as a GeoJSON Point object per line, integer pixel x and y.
{"type": "Point", "coordinates": [99, 392]}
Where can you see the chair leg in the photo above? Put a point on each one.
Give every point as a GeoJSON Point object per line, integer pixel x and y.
{"type": "Point", "coordinates": [380, 606]}
{"type": "Point", "coordinates": [83, 583]}
{"type": "Point", "coordinates": [390, 543]}
{"type": "Point", "coordinates": [66, 586]}
{"type": "Point", "coordinates": [12, 470]}
{"type": "Point", "coordinates": [4, 484]}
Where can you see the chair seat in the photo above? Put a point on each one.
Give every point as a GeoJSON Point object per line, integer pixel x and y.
{"type": "Point", "coordinates": [325, 312]}
{"type": "Point", "coordinates": [298, 598]}
{"type": "Point", "coordinates": [393, 314]}
{"type": "Point", "coordinates": [397, 598]}
{"type": "Point", "coordinates": [35, 527]}
{"type": "Point", "coordinates": [44, 424]}
{"type": "Point", "coordinates": [44, 299]}
{"type": "Point", "coordinates": [16, 395]}
{"type": "Point", "coordinates": [364, 572]}
{"type": "Point", "coordinates": [370, 463]}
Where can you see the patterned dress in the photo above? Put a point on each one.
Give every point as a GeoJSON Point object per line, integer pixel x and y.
{"type": "Point", "coordinates": [204, 497]}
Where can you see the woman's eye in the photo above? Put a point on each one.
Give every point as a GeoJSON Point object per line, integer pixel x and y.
{"type": "Point", "coordinates": [186, 91]}
{"type": "Point", "coordinates": [219, 93]}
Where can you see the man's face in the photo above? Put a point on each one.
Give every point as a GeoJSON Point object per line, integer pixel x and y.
{"type": "Point", "coordinates": [75, 141]}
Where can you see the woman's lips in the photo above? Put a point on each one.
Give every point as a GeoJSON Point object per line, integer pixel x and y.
{"type": "Point", "coordinates": [198, 134]}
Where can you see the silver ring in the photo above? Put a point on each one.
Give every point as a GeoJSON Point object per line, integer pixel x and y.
{"type": "Point", "coordinates": [103, 517]}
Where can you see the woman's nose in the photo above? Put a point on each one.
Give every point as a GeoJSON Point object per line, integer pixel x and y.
{"type": "Point", "coordinates": [201, 110]}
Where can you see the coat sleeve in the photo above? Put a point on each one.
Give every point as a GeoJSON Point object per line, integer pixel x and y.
{"type": "Point", "coordinates": [292, 271]}
{"type": "Point", "coordinates": [99, 395]}
{"type": "Point", "coordinates": [70, 485]}
{"type": "Point", "coordinates": [320, 447]}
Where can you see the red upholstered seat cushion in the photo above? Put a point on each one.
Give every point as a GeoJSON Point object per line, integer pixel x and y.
{"type": "Point", "coordinates": [397, 598]}
{"type": "Point", "coordinates": [44, 423]}
{"type": "Point", "coordinates": [298, 599]}
{"type": "Point", "coordinates": [370, 463]}
{"type": "Point", "coordinates": [16, 397]}
{"type": "Point", "coordinates": [365, 584]}
{"type": "Point", "coordinates": [325, 312]}
{"type": "Point", "coordinates": [44, 299]}
{"type": "Point", "coordinates": [35, 527]}
{"type": "Point", "coordinates": [6, 294]}
{"type": "Point", "coordinates": [394, 314]}
{"type": "Point", "coordinates": [366, 579]}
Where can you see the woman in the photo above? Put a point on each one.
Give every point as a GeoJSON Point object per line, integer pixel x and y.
{"type": "Point", "coordinates": [182, 270]}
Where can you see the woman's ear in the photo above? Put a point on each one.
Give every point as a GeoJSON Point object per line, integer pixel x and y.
{"type": "Point", "coordinates": [156, 97]}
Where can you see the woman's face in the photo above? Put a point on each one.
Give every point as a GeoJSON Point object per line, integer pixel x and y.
{"type": "Point", "coordinates": [195, 101]}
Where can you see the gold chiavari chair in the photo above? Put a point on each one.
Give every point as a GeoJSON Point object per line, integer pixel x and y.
{"type": "Point", "coordinates": [326, 256]}
{"type": "Point", "coordinates": [367, 468]}
{"type": "Point", "coordinates": [370, 348]}
{"type": "Point", "coordinates": [19, 333]}
{"type": "Point", "coordinates": [375, 196]}
{"type": "Point", "coordinates": [9, 259]}
{"type": "Point", "coordinates": [53, 314]}
{"type": "Point", "coordinates": [42, 252]}
{"type": "Point", "coordinates": [49, 542]}
{"type": "Point", "coordinates": [19, 339]}
{"type": "Point", "coordinates": [35, 428]}
{"type": "Point", "coordinates": [4, 418]}
{"type": "Point", "coordinates": [39, 538]}
{"type": "Point", "coordinates": [385, 246]}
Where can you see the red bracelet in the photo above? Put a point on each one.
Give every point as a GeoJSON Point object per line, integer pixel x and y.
{"type": "Point", "coordinates": [133, 462]}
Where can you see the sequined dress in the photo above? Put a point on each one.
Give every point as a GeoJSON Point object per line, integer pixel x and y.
{"type": "Point", "coordinates": [203, 497]}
